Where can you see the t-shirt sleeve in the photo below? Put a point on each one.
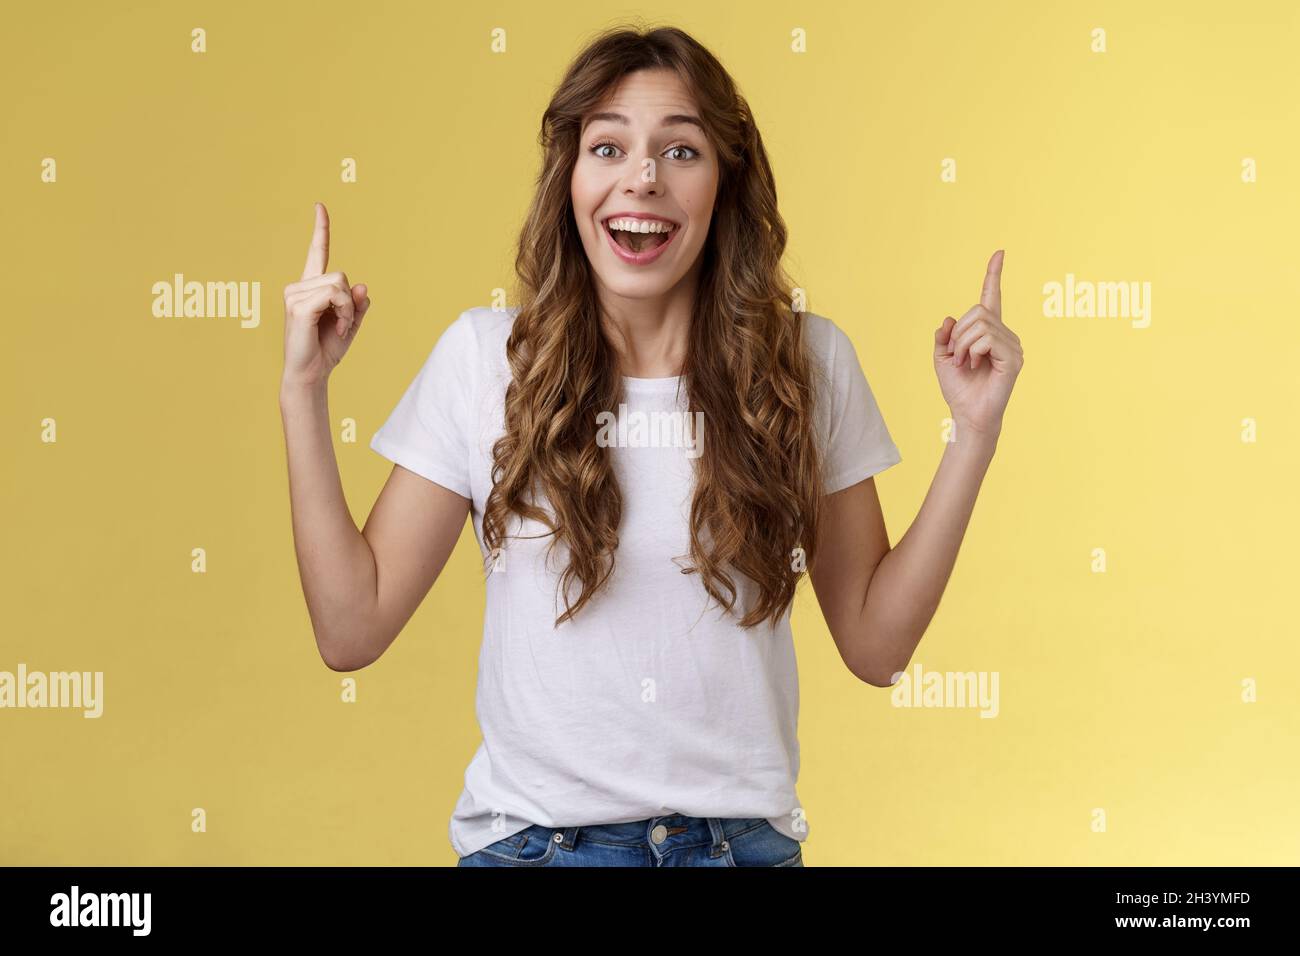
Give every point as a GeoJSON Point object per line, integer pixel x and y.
{"type": "Point", "coordinates": [429, 431]}
{"type": "Point", "coordinates": [859, 445]}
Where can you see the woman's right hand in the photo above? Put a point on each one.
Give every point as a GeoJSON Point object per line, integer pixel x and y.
{"type": "Point", "coordinates": [322, 313]}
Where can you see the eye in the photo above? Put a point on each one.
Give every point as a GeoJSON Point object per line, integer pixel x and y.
{"type": "Point", "coordinates": [691, 149]}
{"type": "Point", "coordinates": [603, 145]}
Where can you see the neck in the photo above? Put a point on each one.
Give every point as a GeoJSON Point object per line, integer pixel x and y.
{"type": "Point", "coordinates": [650, 336]}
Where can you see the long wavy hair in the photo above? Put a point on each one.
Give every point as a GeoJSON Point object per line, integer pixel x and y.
{"type": "Point", "coordinates": [757, 492]}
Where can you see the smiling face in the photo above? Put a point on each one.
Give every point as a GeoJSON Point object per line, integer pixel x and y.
{"type": "Point", "coordinates": [643, 186]}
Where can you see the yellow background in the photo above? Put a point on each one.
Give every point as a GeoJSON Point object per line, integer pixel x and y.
{"type": "Point", "coordinates": [1119, 690]}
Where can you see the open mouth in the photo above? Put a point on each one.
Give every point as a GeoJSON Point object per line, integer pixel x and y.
{"type": "Point", "coordinates": [639, 237]}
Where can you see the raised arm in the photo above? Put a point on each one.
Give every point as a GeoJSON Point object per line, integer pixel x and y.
{"type": "Point", "coordinates": [878, 601]}
{"type": "Point", "coordinates": [361, 587]}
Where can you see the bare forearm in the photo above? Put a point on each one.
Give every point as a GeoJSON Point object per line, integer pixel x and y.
{"type": "Point", "coordinates": [335, 563]}
{"type": "Point", "coordinates": [904, 592]}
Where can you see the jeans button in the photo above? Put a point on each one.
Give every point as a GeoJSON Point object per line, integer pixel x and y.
{"type": "Point", "coordinates": [559, 837]}
{"type": "Point", "coordinates": [659, 833]}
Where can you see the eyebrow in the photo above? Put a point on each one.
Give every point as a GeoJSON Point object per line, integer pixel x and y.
{"type": "Point", "coordinates": [672, 119]}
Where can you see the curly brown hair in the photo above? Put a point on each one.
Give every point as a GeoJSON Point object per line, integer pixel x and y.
{"type": "Point", "coordinates": [758, 481]}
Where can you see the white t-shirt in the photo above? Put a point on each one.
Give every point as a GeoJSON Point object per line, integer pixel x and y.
{"type": "Point", "coordinates": [650, 702]}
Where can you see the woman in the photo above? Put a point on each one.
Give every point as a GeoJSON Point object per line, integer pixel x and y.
{"type": "Point", "coordinates": [637, 688]}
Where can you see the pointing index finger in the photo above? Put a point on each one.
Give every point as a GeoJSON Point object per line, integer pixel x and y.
{"type": "Point", "coordinates": [318, 255]}
{"type": "Point", "coordinates": [991, 295]}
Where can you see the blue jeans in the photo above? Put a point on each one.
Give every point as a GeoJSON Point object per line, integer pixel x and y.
{"type": "Point", "coordinates": [660, 841]}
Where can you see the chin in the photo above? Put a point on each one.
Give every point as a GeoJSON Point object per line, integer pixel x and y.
{"type": "Point", "coordinates": [638, 287]}
{"type": "Point", "coordinates": [629, 284]}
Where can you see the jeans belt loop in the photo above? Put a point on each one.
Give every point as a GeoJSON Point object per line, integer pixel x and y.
{"type": "Point", "coordinates": [719, 836]}
{"type": "Point", "coordinates": [570, 838]}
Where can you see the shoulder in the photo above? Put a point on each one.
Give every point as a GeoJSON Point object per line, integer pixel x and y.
{"type": "Point", "coordinates": [482, 325]}
{"type": "Point", "coordinates": [829, 346]}
{"type": "Point", "coordinates": [477, 338]}
{"type": "Point", "coordinates": [841, 380]}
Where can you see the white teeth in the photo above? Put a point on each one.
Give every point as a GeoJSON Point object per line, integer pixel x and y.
{"type": "Point", "coordinates": [640, 225]}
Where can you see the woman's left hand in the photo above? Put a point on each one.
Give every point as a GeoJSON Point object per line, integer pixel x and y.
{"type": "Point", "coordinates": [977, 391]}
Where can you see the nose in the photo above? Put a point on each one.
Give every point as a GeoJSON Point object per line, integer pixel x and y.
{"type": "Point", "coordinates": [643, 180]}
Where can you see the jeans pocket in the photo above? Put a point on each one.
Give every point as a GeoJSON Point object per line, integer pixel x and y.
{"type": "Point", "coordinates": [764, 845]}
{"type": "Point", "coordinates": [531, 846]}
